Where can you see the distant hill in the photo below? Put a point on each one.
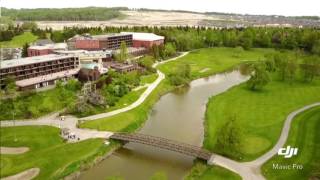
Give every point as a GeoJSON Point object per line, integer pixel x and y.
{"type": "Point", "coordinates": [64, 14]}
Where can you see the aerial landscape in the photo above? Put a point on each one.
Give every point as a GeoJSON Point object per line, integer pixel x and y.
{"type": "Point", "coordinates": [150, 90]}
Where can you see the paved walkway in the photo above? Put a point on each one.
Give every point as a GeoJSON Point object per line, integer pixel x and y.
{"type": "Point", "coordinates": [251, 170]}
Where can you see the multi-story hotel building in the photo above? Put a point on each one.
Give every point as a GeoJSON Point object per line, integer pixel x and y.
{"type": "Point", "coordinates": [99, 42]}
{"type": "Point", "coordinates": [39, 71]}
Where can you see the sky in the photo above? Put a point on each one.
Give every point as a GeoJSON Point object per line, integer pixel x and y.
{"type": "Point", "coordinates": [259, 7]}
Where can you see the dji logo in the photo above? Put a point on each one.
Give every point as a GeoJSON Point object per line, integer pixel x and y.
{"type": "Point", "coordinates": [288, 152]}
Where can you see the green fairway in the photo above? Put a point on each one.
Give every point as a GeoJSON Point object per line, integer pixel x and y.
{"type": "Point", "coordinates": [19, 41]}
{"type": "Point", "coordinates": [304, 135]}
{"type": "Point", "coordinates": [202, 171]}
{"type": "Point", "coordinates": [259, 114]}
{"type": "Point", "coordinates": [205, 62]}
{"type": "Point", "coordinates": [48, 152]}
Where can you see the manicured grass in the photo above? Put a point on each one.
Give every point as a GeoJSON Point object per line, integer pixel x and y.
{"type": "Point", "coordinates": [48, 152]}
{"type": "Point", "coordinates": [205, 62]}
{"type": "Point", "coordinates": [147, 79]}
{"type": "Point", "coordinates": [304, 135]}
{"type": "Point", "coordinates": [259, 114]}
{"type": "Point", "coordinates": [202, 171]}
{"type": "Point", "coordinates": [19, 41]}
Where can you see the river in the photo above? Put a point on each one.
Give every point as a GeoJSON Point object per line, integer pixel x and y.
{"type": "Point", "coordinates": [179, 116]}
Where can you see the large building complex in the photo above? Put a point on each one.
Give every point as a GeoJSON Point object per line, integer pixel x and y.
{"type": "Point", "coordinates": [99, 42]}
{"type": "Point", "coordinates": [48, 61]}
{"type": "Point", "coordinates": [39, 71]}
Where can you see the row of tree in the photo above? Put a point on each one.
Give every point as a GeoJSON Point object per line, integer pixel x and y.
{"type": "Point", "coordinates": [287, 68]}
{"type": "Point", "coordinates": [65, 14]}
{"type": "Point", "coordinates": [188, 38]}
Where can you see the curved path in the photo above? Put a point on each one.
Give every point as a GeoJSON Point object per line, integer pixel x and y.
{"type": "Point", "coordinates": [251, 170]}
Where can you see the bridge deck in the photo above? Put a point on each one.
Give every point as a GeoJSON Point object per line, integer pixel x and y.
{"type": "Point", "coordinates": [164, 144]}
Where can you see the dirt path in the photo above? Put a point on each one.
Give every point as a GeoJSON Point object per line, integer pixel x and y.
{"type": "Point", "coordinates": [13, 150]}
{"type": "Point", "coordinates": [252, 170]}
{"type": "Point", "coordinates": [24, 175]}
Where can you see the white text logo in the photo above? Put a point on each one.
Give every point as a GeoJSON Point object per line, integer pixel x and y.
{"type": "Point", "coordinates": [288, 152]}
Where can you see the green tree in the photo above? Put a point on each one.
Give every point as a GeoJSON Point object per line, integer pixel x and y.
{"type": "Point", "coordinates": [123, 54]}
{"type": "Point", "coordinates": [25, 50]}
{"type": "Point", "coordinates": [229, 139]}
{"type": "Point", "coordinates": [170, 50]}
{"type": "Point", "coordinates": [29, 25]}
{"type": "Point", "coordinates": [181, 75]}
{"type": "Point", "coordinates": [10, 86]}
{"type": "Point", "coordinates": [147, 63]}
{"type": "Point", "coordinates": [155, 51]}
{"type": "Point", "coordinates": [316, 48]}
{"type": "Point", "coordinates": [259, 77]}
{"type": "Point", "coordinates": [246, 40]}
{"type": "Point", "coordinates": [310, 68]}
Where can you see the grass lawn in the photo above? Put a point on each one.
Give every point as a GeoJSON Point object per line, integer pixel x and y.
{"type": "Point", "coordinates": [305, 135]}
{"type": "Point", "coordinates": [259, 114]}
{"type": "Point", "coordinates": [147, 79]}
{"type": "Point", "coordinates": [19, 41]}
{"type": "Point", "coordinates": [205, 62]}
{"type": "Point", "coordinates": [202, 171]}
{"type": "Point", "coordinates": [48, 152]}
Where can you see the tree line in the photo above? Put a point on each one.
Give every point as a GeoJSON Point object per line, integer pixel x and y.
{"type": "Point", "coordinates": [188, 38]}
{"type": "Point", "coordinates": [65, 14]}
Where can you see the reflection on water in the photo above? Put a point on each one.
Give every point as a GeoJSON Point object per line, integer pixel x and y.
{"type": "Point", "coordinates": [178, 116]}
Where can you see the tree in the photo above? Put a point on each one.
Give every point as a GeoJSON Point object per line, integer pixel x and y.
{"type": "Point", "coordinates": [259, 77]}
{"type": "Point", "coordinates": [155, 51]}
{"type": "Point", "coordinates": [169, 49]}
{"type": "Point", "coordinates": [246, 40]}
{"type": "Point", "coordinates": [316, 48]}
{"type": "Point", "coordinates": [25, 50]}
{"type": "Point", "coordinates": [147, 63]}
{"type": "Point", "coordinates": [123, 54]}
{"type": "Point", "coordinates": [310, 68]}
{"type": "Point", "coordinates": [291, 69]}
{"type": "Point", "coordinates": [29, 25]}
{"type": "Point", "coordinates": [10, 86]}
{"type": "Point", "coordinates": [181, 75]}
{"type": "Point", "coordinates": [229, 139]}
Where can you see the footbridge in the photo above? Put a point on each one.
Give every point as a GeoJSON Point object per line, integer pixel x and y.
{"type": "Point", "coordinates": [163, 143]}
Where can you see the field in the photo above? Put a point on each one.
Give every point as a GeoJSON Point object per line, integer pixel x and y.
{"type": "Point", "coordinates": [304, 135]}
{"type": "Point", "coordinates": [205, 62]}
{"type": "Point", "coordinates": [260, 115]}
{"type": "Point", "coordinates": [48, 152]}
{"type": "Point", "coordinates": [19, 41]}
